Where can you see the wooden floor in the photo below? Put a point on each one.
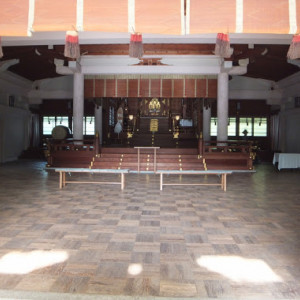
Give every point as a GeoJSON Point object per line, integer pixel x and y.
{"type": "Point", "coordinates": [197, 242]}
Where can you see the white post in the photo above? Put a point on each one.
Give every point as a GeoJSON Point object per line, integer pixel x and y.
{"type": "Point", "coordinates": [78, 106]}
{"type": "Point", "coordinates": [98, 121]}
{"type": "Point", "coordinates": [222, 107]}
{"type": "Point", "coordinates": [206, 122]}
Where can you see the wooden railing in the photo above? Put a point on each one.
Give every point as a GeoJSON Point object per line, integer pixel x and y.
{"type": "Point", "coordinates": [224, 146]}
{"type": "Point", "coordinates": [237, 154]}
{"type": "Point", "coordinates": [63, 148]}
{"type": "Point", "coordinates": [75, 145]}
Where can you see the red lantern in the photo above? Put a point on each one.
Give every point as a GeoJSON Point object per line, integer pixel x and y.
{"type": "Point", "coordinates": [136, 45]}
{"type": "Point", "coordinates": [72, 48]}
{"type": "Point", "coordinates": [222, 47]}
{"type": "Point", "coordinates": [294, 49]}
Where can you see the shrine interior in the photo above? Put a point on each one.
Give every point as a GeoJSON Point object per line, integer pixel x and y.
{"type": "Point", "coordinates": [149, 149]}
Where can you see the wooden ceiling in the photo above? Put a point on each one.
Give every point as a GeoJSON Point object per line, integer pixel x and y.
{"type": "Point", "coordinates": [265, 61]}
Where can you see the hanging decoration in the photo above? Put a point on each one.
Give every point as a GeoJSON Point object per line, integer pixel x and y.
{"type": "Point", "coordinates": [72, 48]}
{"type": "Point", "coordinates": [294, 49]}
{"type": "Point", "coordinates": [1, 52]}
{"type": "Point", "coordinates": [136, 45]}
{"type": "Point", "coordinates": [222, 47]}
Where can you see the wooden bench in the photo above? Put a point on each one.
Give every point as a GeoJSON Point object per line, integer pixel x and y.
{"type": "Point", "coordinates": [63, 171]}
{"type": "Point", "coordinates": [221, 173]}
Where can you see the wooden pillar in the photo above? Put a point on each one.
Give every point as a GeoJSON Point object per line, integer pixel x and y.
{"type": "Point", "coordinates": [200, 145]}
{"type": "Point", "coordinates": [97, 144]}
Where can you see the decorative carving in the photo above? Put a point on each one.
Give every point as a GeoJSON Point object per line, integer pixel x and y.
{"type": "Point", "coordinates": [154, 107]}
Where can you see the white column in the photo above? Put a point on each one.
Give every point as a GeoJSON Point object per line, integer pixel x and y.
{"type": "Point", "coordinates": [98, 121]}
{"type": "Point", "coordinates": [222, 107]}
{"type": "Point", "coordinates": [206, 122]}
{"type": "Point", "coordinates": [78, 106]}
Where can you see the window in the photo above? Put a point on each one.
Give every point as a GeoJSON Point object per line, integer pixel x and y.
{"type": "Point", "coordinates": [89, 126]}
{"type": "Point", "coordinates": [64, 121]}
{"type": "Point", "coordinates": [260, 127]}
{"type": "Point", "coordinates": [50, 122]}
{"type": "Point", "coordinates": [231, 126]}
{"type": "Point", "coordinates": [48, 125]}
{"type": "Point", "coordinates": [245, 127]}
{"type": "Point", "coordinates": [213, 126]}
{"type": "Point", "coordinates": [251, 126]}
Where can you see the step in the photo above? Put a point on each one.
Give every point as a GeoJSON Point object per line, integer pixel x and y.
{"type": "Point", "coordinates": [226, 167]}
{"type": "Point", "coordinates": [70, 165]}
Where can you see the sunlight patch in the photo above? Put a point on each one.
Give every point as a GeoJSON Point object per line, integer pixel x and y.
{"type": "Point", "coordinates": [135, 269]}
{"type": "Point", "coordinates": [26, 262]}
{"type": "Point", "coordinates": [239, 269]}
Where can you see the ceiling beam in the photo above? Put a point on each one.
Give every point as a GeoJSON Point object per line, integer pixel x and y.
{"type": "Point", "coordinates": [58, 38]}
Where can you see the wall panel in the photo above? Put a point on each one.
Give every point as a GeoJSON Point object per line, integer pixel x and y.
{"type": "Point", "coordinates": [133, 87]}
{"type": "Point", "coordinates": [110, 87]}
{"type": "Point", "coordinates": [190, 88]}
{"type": "Point", "coordinates": [155, 87]}
{"type": "Point", "coordinates": [144, 88]}
{"type": "Point", "coordinates": [89, 88]}
{"type": "Point", "coordinates": [178, 86]}
{"type": "Point", "coordinates": [201, 88]}
{"type": "Point", "coordinates": [99, 88]}
{"type": "Point", "coordinates": [122, 88]}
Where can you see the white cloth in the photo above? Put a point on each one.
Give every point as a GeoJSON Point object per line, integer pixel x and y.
{"type": "Point", "coordinates": [118, 128]}
{"type": "Point", "coordinates": [287, 160]}
{"type": "Point", "coordinates": [275, 158]}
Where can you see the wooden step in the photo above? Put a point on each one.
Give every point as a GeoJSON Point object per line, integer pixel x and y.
{"type": "Point", "coordinates": [71, 164]}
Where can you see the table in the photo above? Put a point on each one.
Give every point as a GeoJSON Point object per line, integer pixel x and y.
{"type": "Point", "coordinates": [152, 148]}
{"type": "Point", "coordinates": [221, 173]}
{"type": "Point", "coordinates": [287, 160]}
{"type": "Point", "coordinates": [63, 171]}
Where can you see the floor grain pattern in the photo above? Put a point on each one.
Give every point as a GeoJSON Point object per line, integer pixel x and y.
{"type": "Point", "coordinates": [143, 242]}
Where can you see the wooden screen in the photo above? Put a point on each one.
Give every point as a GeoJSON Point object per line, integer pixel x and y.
{"type": "Point", "coordinates": [13, 17]}
{"type": "Point", "coordinates": [54, 15]}
{"type": "Point", "coordinates": [145, 87]}
{"type": "Point", "coordinates": [105, 16]}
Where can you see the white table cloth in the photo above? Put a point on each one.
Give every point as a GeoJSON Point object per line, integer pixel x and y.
{"type": "Point", "coordinates": [287, 160]}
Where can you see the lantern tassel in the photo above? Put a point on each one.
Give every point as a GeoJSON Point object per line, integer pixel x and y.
{"type": "Point", "coordinates": [136, 45]}
{"type": "Point", "coordinates": [222, 47]}
{"type": "Point", "coordinates": [72, 48]}
{"type": "Point", "coordinates": [294, 49]}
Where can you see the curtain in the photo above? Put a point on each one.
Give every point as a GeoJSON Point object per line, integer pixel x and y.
{"type": "Point", "coordinates": [274, 132]}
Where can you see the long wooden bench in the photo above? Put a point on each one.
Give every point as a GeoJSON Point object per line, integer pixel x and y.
{"type": "Point", "coordinates": [63, 171]}
{"type": "Point", "coordinates": [221, 173]}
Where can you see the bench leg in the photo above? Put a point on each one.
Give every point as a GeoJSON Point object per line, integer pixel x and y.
{"type": "Point", "coordinates": [161, 181]}
{"type": "Point", "coordinates": [122, 181]}
{"type": "Point", "coordinates": [224, 182]}
{"type": "Point", "coordinates": [60, 180]}
{"type": "Point", "coordinates": [64, 179]}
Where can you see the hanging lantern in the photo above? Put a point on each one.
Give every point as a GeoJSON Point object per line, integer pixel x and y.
{"type": "Point", "coordinates": [136, 45]}
{"type": "Point", "coordinates": [1, 52]}
{"type": "Point", "coordinates": [294, 50]}
{"type": "Point", "coordinates": [72, 48]}
{"type": "Point", "coordinates": [222, 47]}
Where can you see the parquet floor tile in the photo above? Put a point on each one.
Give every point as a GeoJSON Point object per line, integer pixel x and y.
{"type": "Point", "coordinates": [183, 242]}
